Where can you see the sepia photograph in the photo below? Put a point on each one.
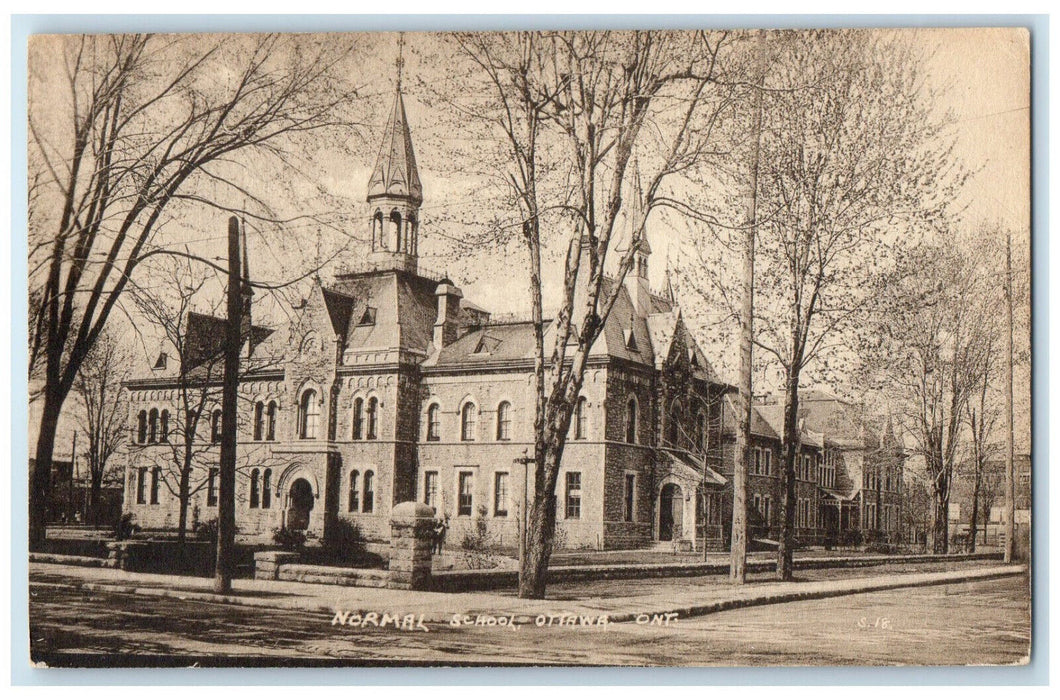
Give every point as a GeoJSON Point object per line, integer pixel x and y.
{"type": "Point", "coordinates": [699, 347]}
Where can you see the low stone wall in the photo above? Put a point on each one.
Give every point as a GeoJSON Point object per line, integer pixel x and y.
{"type": "Point", "coordinates": [68, 560]}
{"type": "Point", "coordinates": [458, 581]}
{"type": "Point", "coordinates": [287, 566]}
{"type": "Point", "coordinates": [267, 564]}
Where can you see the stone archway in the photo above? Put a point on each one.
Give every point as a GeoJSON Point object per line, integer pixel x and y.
{"type": "Point", "coordinates": [299, 504]}
{"type": "Point", "coordinates": [671, 513]}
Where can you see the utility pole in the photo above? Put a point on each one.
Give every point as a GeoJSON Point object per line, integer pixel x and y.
{"type": "Point", "coordinates": [226, 506]}
{"type": "Point", "coordinates": [73, 466]}
{"type": "Point", "coordinates": [738, 550]}
{"type": "Point", "coordinates": [1010, 494]}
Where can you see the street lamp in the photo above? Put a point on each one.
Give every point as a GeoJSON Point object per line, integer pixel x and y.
{"type": "Point", "coordinates": [521, 522]}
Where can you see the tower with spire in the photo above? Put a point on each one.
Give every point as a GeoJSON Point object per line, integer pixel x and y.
{"type": "Point", "coordinates": [637, 278]}
{"type": "Point", "coordinates": [394, 191]}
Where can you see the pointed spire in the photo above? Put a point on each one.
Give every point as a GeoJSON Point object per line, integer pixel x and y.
{"type": "Point", "coordinates": [636, 211]}
{"type": "Point", "coordinates": [395, 173]}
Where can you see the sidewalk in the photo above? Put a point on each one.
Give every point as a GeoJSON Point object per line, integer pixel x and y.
{"type": "Point", "coordinates": [669, 596]}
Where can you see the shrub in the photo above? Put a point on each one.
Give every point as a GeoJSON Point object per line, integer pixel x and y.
{"type": "Point", "coordinates": [206, 530]}
{"type": "Point", "coordinates": [479, 545]}
{"type": "Point", "coordinates": [125, 528]}
{"type": "Point", "coordinates": [880, 548]}
{"type": "Point", "coordinates": [344, 541]}
{"type": "Point", "coordinates": [288, 539]}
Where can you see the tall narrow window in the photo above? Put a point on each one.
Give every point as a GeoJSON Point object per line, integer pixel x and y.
{"type": "Point", "coordinates": [631, 421]}
{"type": "Point", "coordinates": [433, 423]}
{"type": "Point", "coordinates": [266, 489]}
{"type": "Point", "coordinates": [430, 489]}
{"type": "Point", "coordinates": [270, 422]}
{"type": "Point", "coordinates": [580, 432]}
{"type": "Point", "coordinates": [358, 418]}
{"type": "Point", "coordinates": [757, 467]}
{"type": "Point", "coordinates": [504, 420]}
{"type": "Point", "coordinates": [629, 498]}
{"type": "Point", "coordinates": [673, 427]}
{"type": "Point", "coordinates": [164, 426]}
{"type": "Point", "coordinates": [465, 483]}
{"type": "Point", "coordinates": [259, 420]}
{"type": "Point", "coordinates": [574, 496]}
{"type": "Point", "coordinates": [701, 431]}
{"type": "Point", "coordinates": [141, 485]}
{"type": "Point", "coordinates": [500, 494]}
{"type": "Point", "coordinates": [467, 422]}
{"type": "Point", "coordinates": [211, 487]}
{"type": "Point", "coordinates": [255, 494]}
{"type": "Point", "coordinates": [152, 433]}
{"type": "Point", "coordinates": [373, 418]}
{"type": "Point", "coordinates": [369, 492]}
{"type": "Point", "coordinates": [309, 412]}
{"type": "Point", "coordinates": [156, 477]}
{"type": "Point", "coordinates": [767, 462]}
{"type": "Point", "coordinates": [141, 427]}
{"type": "Point", "coordinates": [353, 504]}
{"type": "Point", "coordinates": [215, 426]}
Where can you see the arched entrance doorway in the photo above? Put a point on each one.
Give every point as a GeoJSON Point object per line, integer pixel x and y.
{"type": "Point", "coordinates": [671, 513]}
{"type": "Point", "coordinates": [299, 505]}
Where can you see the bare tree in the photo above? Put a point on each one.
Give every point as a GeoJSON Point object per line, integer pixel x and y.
{"type": "Point", "coordinates": [846, 160]}
{"type": "Point", "coordinates": [126, 127]}
{"type": "Point", "coordinates": [103, 410]}
{"type": "Point", "coordinates": [932, 347]}
{"type": "Point", "coordinates": [178, 306]}
{"type": "Point", "coordinates": [571, 110]}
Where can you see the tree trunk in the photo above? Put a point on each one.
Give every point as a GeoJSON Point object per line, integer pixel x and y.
{"type": "Point", "coordinates": [975, 505]}
{"type": "Point", "coordinates": [94, 491]}
{"type": "Point", "coordinates": [540, 532]}
{"type": "Point", "coordinates": [40, 476]}
{"type": "Point", "coordinates": [184, 498]}
{"type": "Point", "coordinates": [941, 525]}
{"type": "Point", "coordinates": [786, 546]}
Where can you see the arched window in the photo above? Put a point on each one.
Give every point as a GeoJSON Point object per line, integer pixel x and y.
{"type": "Point", "coordinates": [467, 422]}
{"type": "Point", "coordinates": [259, 420]}
{"type": "Point", "coordinates": [410, 241]}
{"type": "Point", "coordinates": [266, 489]}
{"type": "Point", "coordinates": [164, 426]}
{"type": "Point", "coordinates": [373, 419]}
{"type": "Point", "coordinates": [631, 420]}
{"type": "Point", "coordinates": [270, 421]}
{"type": "Point", "coordinates": [255, 495]}
{"type": "Point", "coordinates": [378, 235]}
{"type": "Point", "coordinates": [358, 418]}
{"type": "Point", "coordinates": [433, 423]}
{"type": "Point", "coordinates": [395, 227]}
{"type": "Point", "coordinates": [156, 478]}
{"type": "Point", "coordinates": [369, 492]}
{"type": "Point", "coordinates": [504, 420]}
{"type": "Point", "coordinates": [674, 423]}
{"type": "Point", "coordinates": [309, 415]}
{"type": "Point", "coordinates": [580, 418]}
{"type": "Point", "coordinates": [152, 432]}
{"type": "Point", "coordinates": [141, 427]}
{"type": "Point", "coordinates": [215, 426]}
{"type": "Point", "coordinates": [354, 503]}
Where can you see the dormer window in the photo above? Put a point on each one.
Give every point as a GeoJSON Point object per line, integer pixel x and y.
{"type": "Point", "coordinates": [368, 317]}
{"type": "Point", "coordinates": [630, 338]}
{"type": "Point", "coordinates": [161, 362]}
{"type": "Point", "coordinates": [487, 345]}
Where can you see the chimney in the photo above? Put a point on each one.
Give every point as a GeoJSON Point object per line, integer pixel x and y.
{"type": "Point", "coordinates": [447, 325]}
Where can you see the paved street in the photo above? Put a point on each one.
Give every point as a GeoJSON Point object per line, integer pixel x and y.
{"type": "Point", "coordinates": [986, 622]}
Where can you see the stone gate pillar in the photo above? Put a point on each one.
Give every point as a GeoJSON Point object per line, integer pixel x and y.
{"type": "Point", "coordinates": [411, 526]}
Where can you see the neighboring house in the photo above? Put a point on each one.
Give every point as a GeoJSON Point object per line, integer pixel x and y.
{"type": "Point", "coordinates": [990, 526]}
{"type": "Point", "coordinates": [850, 470]}
{"type": "Point", "coordinates": [388, 386]}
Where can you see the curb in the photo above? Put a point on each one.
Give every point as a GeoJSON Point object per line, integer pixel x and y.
{"type": "Point", "coordinates": [295, 604]}
{"type": "Point", "coordinates": [936, 579]}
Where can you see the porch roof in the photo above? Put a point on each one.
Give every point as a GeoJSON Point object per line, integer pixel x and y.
{"type": "Point", "coordinates": [688, 469]}
{"type": "Point", "coordinates": [835, 496]}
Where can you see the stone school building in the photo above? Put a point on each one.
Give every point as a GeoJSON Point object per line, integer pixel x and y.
{"type": "Point", "coordinates": [390, 386]}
